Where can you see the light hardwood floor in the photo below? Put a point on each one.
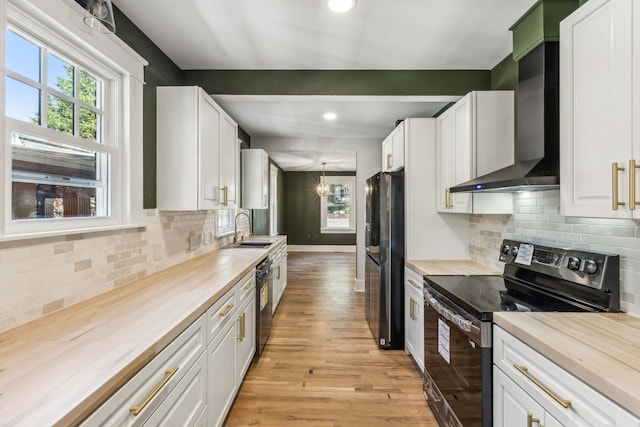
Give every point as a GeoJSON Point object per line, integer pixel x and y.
{"type": "Point", "coordinates": [321, 366]}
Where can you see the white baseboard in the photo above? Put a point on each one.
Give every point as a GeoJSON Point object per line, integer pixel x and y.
{"type": "Point", "coordinates": [359, 285]}
{"type": "Point", "coordinates": [321, 248]}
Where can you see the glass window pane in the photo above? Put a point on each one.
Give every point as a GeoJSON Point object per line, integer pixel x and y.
{"type": "Point", "coordinates": [23, 57]}
{"type": "Point", "coordinates": [37, 155]}
{"type": "Point", "coordinates": [60, 75]}
{"type": "Point", "coordinates": [22, 101]}
{"type": "Point", "coordinates": [59, 114]}
{"type": "Point", "coordinates": [89, 87]}
{"type": "Point", "coordinates": [89, 124]}
{"type": "Point", "coordinates": [53, 179]}
{"type": "Point", "coordinates": [338, 206]}
{"type": "Point", "coordinates": [36, 201]}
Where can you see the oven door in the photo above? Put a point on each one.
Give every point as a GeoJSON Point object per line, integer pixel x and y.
{"type": "Point", "coordinates": [455, 363]}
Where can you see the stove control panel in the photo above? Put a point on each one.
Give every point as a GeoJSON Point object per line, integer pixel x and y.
{"type": "Point", "coordinates": [591, 269]}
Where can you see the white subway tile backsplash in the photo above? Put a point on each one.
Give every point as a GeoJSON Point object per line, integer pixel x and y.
{"type": "Point", "coordinates": [42, 275]}
{"type": "Point", "coordinates": [618, 236]}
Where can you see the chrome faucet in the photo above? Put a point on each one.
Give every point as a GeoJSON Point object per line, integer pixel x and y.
{"type": "Point", "coordinates": [235, 226]}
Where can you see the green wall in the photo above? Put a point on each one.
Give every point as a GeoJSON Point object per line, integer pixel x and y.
{"type": "Point", "coordinates": [302, 211]}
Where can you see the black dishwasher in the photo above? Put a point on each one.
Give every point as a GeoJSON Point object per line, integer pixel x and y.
{"type": "Point", "coordinates": [264, 290]}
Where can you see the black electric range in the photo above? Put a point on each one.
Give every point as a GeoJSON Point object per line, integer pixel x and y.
{"type": "Point", "coordinates": [459, 310]}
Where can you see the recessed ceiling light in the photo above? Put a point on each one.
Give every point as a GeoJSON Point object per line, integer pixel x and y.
{"type": "Point", "coordinates": [341, 6]}
{"type": "Point", "coordinates": [330, 116]}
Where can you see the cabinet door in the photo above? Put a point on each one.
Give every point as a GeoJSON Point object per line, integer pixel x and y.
{"type": "Point", "coordinates": [229, 162]}
{"type": "Point", "coordinates": [409, 320]}
{"type": "Point", "coordinates": [387, 154]}
{"type": "Point", "coordinates": [464, 169]}
{"type": "Point", "coordinates": [511, 405]}
{"type": "Point", "coordinates": [222, 374]}
{"type": "Point", "coordinates": [418, 353]}
{"type": "Point", "coordinates": [187, 402]}
{"type": "Point", "coordinates": [445, 154]}
{"type": "Point", "coordinates": [209, 185]}
{"type": "Point", "coordinates": [397, 145]}
{"type": "Point", "coordinates": [246, 336]}
{"type": "Point", "coordinates": [595, 108]}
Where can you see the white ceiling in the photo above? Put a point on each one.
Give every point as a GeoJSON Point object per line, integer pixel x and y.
{"type": "Point", "coordinates": [305, 35]}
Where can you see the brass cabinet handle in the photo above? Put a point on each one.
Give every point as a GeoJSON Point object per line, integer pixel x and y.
{"type": "Point", "coordinates": [389, 162]}
{"type": "Point", "coordinates": [412, 309]}
{"type": "Point", "coordinates": [447, 199]}
{"type": "Point", "coordinates": [225, 195]}
{"type": "Point", "coordinates": [632, 184]}
{"type": "Point", "coordinates": [241, 334]}
{"type": "Point", "coordinates": [248, 285]}
{"type": "Point", "coordinates": [414, 284]}
{"type": "Point", "coordinates": [525, 371]}
{"type": "Point", "coordinates": [614, 182]}
{"type": "Point", "coordinates": [135, 410]}
{"type": "Point", "coordinates": [228, 309]}
{"type": "Point", "coordinates": [531, 420]}
{"type": "Point", "coordinates": [278, 273]}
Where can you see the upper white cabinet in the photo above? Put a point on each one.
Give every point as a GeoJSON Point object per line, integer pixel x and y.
{"type": "Point", "coordinates": [255, 179]}
{"type": "Point", "coordinates": [197, 151]}
{"type": "Point", "coordinates": [475, 137]}
{"type": "Point", "coordinates": [393, 150]}
{"type": "Point", "coordinates": [599, 90]}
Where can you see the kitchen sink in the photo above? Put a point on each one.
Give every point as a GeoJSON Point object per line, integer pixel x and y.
{"type": "Point", "coordinates": [256, 244]}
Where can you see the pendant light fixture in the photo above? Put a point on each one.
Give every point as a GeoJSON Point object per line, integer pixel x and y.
{"type": "Point", "coordinates": [99, 16]}
{"type": "Point", "coordinates": [323, 188]}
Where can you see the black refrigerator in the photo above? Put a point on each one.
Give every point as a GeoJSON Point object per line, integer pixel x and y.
{"type": "Point", "coordinates": [384, 263]}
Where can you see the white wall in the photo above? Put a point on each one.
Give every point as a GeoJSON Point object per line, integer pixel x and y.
{"type": "Point", "coordinates": [368, 162]}
{"type": "Point", "coordinates": [537, 219]}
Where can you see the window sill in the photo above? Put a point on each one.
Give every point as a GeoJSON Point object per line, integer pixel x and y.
{"type": "Point", "coordinates": [337, 231]}
{"type": "Point", "coordinates": [70, 232]}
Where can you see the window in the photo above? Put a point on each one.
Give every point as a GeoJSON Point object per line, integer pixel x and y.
{"type": "Point", "coordinates": [72, 112]}
{"type": "Point", "coordinates": [338, 209]}
{"type": "Point", "coordinates": [224, 221]}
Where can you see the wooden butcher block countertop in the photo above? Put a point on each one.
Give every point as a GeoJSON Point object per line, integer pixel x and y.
{"type": "Point", "coordinates": [450, 267]}
{"type": "Point", "coordinates": [601, 349]}
{"type": "Point", "coordinates": [58, 369]}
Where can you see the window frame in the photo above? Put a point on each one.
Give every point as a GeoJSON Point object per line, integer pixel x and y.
{"type": "Point", "coordinates": [324, 228]}
{"type": "Point", "coordinates": [121, 71]}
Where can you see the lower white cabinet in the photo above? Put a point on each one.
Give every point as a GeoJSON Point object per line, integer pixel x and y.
{"type": "Point", "coordinates": [194, 380]}
{"type": "Point", "coordinates": [279, 274]}
{"type": "Point", "coordinates": [187, 403]}
{"type": "Point", "coordinates": [528, 387]}
{"type": "Point", "coordinates": [414, 317]}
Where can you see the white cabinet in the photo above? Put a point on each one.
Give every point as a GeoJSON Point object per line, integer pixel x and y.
{"type": "Point", "coordinates": [599, 90]}
{"type": "Point", "coordinates": [246, 325]}
{"type": "Point", "coordinates": [393, 150]}
{"type": "Point", "coordinates": [255, 179]}
{"type": "Point", "coordinates": [514, 407]}
{"type": "Point", "coordinates": [279, 274]}
{"type": "Point", "coordinates": [447, 236]}
{"type": "Point", "coordinates": [197, 151]}
{"type": "Point", "coordinates": [229, 353]}
{"type": "Point", "coordinates": [187, 403]}
{"type": "Point", "coordinates": [149, 390]}
{"type": "Point", "coordinates": [194, 380]}
{"type": "Point", "coordinates": [525, 382]}
{"type": "Point", "coordinates": [475, 137]}
{"type": "Point", "coordinates": [229, 162]}
{"type": "Point", "coordinates": [414, 317]}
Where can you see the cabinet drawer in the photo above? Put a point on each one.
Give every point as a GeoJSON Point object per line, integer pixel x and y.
{"type": "Point", "coordinates": [187, 401]}
{"type": "Point", "coordinates": [247, 287]}
{"type": "Point", "coordinates": [151, 385]}
{"type": "Point", "coordinates": [413, 279]}
{"type": "Point", "coordinates": [221, 313]}
{"type": "Point", "coordinates": [585, 405]}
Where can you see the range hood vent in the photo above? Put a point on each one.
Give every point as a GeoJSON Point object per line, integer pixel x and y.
{"type": "Point", "coordinates": [538, 129]}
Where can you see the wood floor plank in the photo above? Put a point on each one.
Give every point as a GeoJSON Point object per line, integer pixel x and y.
{"type": "Point", "coordinates": [321, 366]}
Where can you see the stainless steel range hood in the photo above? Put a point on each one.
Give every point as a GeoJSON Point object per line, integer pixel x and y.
{"type": "Point", "coordinates": [537, 142]}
